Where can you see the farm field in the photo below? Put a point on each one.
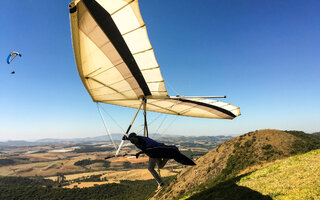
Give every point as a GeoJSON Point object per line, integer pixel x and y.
{"type": "Point", "coordinates": [112, 177]}
{"type": "Point", "coordinates": [84, 164]}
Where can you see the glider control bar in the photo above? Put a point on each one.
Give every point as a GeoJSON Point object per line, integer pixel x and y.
{"type": "Point", "coordinates": [145, 132]}
{"type": "Point", "coordinates": [124, 155]}
{"type": "Point", "coordinates": [126, 134]}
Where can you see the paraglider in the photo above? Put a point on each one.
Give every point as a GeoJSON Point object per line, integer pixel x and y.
{"type": "Point", "coordinates": [11, 56]}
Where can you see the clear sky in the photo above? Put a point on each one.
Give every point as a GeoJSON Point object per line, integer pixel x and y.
{"type": "Point", "coordinates": [263, 54]}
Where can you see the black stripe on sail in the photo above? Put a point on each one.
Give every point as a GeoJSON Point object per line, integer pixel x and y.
{"type": "Point", "coordinates": [227, 112]}
{"type": "Point", "coordinates": [104, 20]}
{"type": "Point", "coordinates": [72, 9]}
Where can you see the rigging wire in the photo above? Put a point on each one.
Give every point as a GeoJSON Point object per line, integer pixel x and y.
{"type": "Point", "coordinates": [177, 93]}
{"type": "Point", "coordinates": [113, 119]}
{"type": "Point", "coordinates": [170, 124]}
{"type": "Point", "coordinates": [165, 117]}
{"type": "Point", "coordinates": [159, 115]}
{"type": "Point", "coordinates": [106, 127]}
{"type": "Point", "coordinates": [162, 122]}
{"type": "Point", "coordinates": [155, 119]}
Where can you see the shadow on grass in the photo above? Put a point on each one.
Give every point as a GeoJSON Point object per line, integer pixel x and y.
{"type": "Point", "coordinates": [229, 190]}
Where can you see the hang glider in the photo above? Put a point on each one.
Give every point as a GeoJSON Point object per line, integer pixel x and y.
{"type": "Point", "coordinates": [117, 65]}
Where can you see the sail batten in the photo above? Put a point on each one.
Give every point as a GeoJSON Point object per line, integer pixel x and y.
{"type": "Point", "coordinates": [122, 7]}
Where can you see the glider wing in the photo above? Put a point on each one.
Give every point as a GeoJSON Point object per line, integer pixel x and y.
{"type": "Point", "coordinates": [117, 65]}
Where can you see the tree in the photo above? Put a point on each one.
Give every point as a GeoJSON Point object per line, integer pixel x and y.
{"type": "Point", "coordinates": [106, 164]}
{"type": "Point", "coordinates": [127, 164]}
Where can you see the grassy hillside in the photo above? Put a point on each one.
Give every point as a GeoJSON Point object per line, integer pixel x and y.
{"type": "Point", "coordinates": [297, 177]}
{"type": "Point", "coordinates": [218, 170]}
{"type": "Point", "coordinates": [294, 178]}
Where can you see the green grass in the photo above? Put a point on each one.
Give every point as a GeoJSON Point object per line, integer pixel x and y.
{"type": "Point", "coordinates": [297, 177]}
{"type": "Point", "coordinates": [228, 190]}
{"type": "Point", "coordinates": [294, 178]}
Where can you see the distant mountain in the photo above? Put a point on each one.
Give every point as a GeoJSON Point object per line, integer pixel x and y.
{"type": "Point", "coordinates": [238, 155]}
{"type": "Point", "coordinates": [196, 138]}
{"type": "Point", "coordinates": [104, 138]}
{"type": "Point", "coordinates": [17, 143]}
{"type": "Point", "coordinates": [116, 137]}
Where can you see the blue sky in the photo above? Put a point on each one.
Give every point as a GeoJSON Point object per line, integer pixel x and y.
{"type": "Point", "coordinates": [262, 54]}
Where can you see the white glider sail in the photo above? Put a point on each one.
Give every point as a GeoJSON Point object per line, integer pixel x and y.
{"type": "Point", "coordinates": [117, 65]}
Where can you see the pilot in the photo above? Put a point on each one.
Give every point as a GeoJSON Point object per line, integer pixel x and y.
{"type": "Point", "coordinates": [145, 143]}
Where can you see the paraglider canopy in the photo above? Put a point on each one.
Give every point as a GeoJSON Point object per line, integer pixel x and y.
{"type": "Point", "coordinates": [12, 55]}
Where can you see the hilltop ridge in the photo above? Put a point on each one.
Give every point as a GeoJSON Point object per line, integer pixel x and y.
{"type": "Point", "coordinates": [235, 155]}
